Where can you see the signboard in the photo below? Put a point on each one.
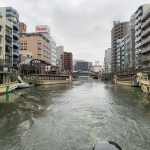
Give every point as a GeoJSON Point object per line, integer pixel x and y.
{"type": "Point", "coordinates": [43, 28]}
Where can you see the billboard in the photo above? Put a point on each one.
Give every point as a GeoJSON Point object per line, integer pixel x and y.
{"type": "Point", "coordinates": [43, 28]}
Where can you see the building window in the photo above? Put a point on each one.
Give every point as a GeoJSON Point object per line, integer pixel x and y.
{"type": "Point", "coordinates": [25, 47]}
{"type": "Point", "coordinates": [25, 42]}
{"type": "Point", "coordinates": [21, 48]}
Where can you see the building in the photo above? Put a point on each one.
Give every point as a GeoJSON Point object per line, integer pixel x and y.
{"type": "Point", "coordinates": [60, 56]}
{"type": "Point", "coordinates": [12, 15]}
{"type": "Point", "coordinates": [96, 68]}
{"type": "Point", "coordinates": [68, 61]}
{"type": "Point", "coordinates": [118, 31]}
{"type": "Point", "coordinates": [53, 51]}
{"type": "Point", "coordinates": [138, 39]}
{"type": "Point", "coordinates": [45, 30]}
{"type": "Point", "coordinates": [22, 27]}
{"type": "Point", "coordinates": [36, 43]}
{"type": "Point", "coordinates": [145, 35]}
{"type": "Point", "coordinates": [83, 66]}
{"type": "Point", "coordinates": [6, 39]}
{"type": "Point", "coordinates": [121, 55]}
{"type": "Point", "coordinates": [130, 45]}
{"type": "Point", "coordinates": [107, 61]}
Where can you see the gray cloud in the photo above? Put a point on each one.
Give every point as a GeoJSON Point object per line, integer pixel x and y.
{"type": "Point", "coordinates": [82, 26]}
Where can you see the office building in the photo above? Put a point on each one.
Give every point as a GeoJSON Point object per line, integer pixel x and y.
{"type": "Point", "coordinates": [38, 44]}
{"type": "Point", "coordinates": [83, 66]}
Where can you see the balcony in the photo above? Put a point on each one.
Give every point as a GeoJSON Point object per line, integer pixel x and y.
{"type": "Point", "coordinates": [147, 22]}
{"type": "Point", "coordinates": [145, 32]}
{"type": "Point", "coordinates": [146, 41]}
{"type": "Point", "coordinates": [16, 34]}
{"type": "Point", "coordinates": [15, 42]}
{"type": "Point", "coordinates": [145, 50]}
{"type": "Point", "coordinates": [15, 52]}
{"type": "Point", "coordinates": [8, 33]}
{"type": "Point", "coordinates": [8, 43]}
{"type": "Point", "coordinates": [146, 58]}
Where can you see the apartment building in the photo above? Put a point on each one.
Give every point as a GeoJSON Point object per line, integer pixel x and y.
{"type": "Point", "coordinates": [6, 39]}
{"type": "Point", "coordinates": [145, 35]}
{"type": "Point", "coordinates": [121, 64]}
{"type": "Point", "coordinates": [12, 15]}
{"type": "Point", "coordinates": [68, 61]}
{"type": "Point", "coordinates": [130, 44]}
{"type": "Point", "coordinates": [38, 44]}
{"type": "Point", "coordinates": [60, 56]}
{"type": "Point", "coordinates": [118, 31]}
{"type": "Point", "coordinates": [138, 39]}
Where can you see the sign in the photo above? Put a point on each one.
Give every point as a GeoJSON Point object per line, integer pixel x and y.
{"type": "Point", "coordinates": [43, 28]}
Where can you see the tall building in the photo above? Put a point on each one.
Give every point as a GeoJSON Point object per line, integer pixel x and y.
{"type": "Point", "coordinates": [60, 56]}
{"type": "Point", "coordinates": [36, 43]}
{"type": "Point", "coordinates": [68, 61]}
{"type": "Point", "coordinates": [138, 39]}
{"type": "Point", "coordinates": [146, 38]}
{"type": "Point", "coordinates": [107, 61]}
{"type": "Point", "coordinates": [12, 15]}
{"type": "Point", "coordinates": [22, 27]}
{"type": "Point", "coordinates": [120, 55]}
{"type": "Point", "coordinates": [130, 45]}
{"type": "Point", "coordinates": [6, 38]}
{"type": "Point", "coordinates": [45, 30]}
{"type": "Point", "coordinates": [118, 31]}
{"type": "Point", "coordinates": [83, 65]}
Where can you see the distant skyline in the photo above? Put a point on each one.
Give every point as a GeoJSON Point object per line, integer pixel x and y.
{"type": "Point", "coordinates": [83, 27]}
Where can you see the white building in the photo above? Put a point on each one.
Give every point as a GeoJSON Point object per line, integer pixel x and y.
{"type": "Point", "coordinates": [6, 40]}
{"type": "Point", "coordinates": [138, 23]}
{"type": "Point", "coordinates": [12, 15]}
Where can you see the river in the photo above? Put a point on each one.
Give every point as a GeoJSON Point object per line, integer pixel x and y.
{"type": "Point", "coordinates": [75, 117]}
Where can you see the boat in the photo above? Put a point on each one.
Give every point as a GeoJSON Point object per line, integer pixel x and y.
{"type": "Point", "coordinates": [129, 79]}
{"type": "Point", "coordinates": [7, 84]}
{"type": "Point", "coordinates": [49, 79]}
{"type": "Point", "coordinates": [21, 84]}
{"type": "Point", "coordinates": [145, 82]}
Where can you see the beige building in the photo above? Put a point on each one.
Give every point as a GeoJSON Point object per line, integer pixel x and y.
{"type": "Point", "coordinates": [6, 45]}
{"type": "Point", "coordinates": [37, 44]}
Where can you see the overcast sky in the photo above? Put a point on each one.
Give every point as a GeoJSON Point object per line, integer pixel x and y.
{"type": "Point", "coordinates": [82, 26]}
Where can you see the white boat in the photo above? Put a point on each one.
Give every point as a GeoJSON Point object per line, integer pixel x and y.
{"type": "Point", "coordinates": [21, 84]}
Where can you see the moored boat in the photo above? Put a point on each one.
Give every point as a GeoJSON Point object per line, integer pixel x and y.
{"type": "Point", "coordinates": [42, 79]}
{"type": "Point", "coordinates": [21, 84]}
{"type": "Point", "coordinates": [126, 79]}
